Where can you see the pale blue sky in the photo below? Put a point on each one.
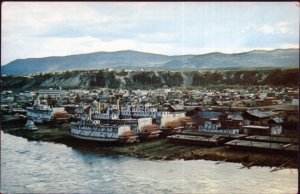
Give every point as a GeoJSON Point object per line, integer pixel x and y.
{"type": "Point", "coordinates": [40, 29]}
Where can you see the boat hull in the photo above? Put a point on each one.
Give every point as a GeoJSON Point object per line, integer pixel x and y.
{"type": "Point", "coordinates": [99, 139]}
{"type": "Point", "coordinates": [149, 135]}
{"type": "Point", "coordinates": [31, 129]}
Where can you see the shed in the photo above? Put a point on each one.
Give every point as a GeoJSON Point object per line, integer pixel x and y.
{"type": "Point", "coordinates": [256, 130]}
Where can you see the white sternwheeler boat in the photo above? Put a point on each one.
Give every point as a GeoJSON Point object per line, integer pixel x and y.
{"type": "Point", "coordinates": [40, 113]}
{"type": "Point", "coordinates": [88, 129]}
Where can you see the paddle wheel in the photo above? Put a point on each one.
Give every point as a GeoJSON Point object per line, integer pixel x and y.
{"type": "Point", "coordinates": [172, 127]}
{"type": "Point", "coordinates": [61, 117]}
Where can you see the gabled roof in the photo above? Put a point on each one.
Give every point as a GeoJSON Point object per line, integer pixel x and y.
{"type": "Point", "coordinates": [277, 120]}
{"type": "Point", "coordinates": [256, 127]}
{"type": "Point", "coordinates": [235, 116]}
{"type": "Point", "coordinates": [260, 114]}
{"type": "Point", "coordinates": [177, 107]}
{"type": "Point", "coordinates": [209, 114]}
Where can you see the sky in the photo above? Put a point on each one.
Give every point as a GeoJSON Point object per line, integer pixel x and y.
{"type": "Point", "coordinates": [41, 29]}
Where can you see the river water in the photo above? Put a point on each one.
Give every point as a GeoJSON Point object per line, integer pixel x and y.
{"type": "Point", "coordinates": [40, 167]}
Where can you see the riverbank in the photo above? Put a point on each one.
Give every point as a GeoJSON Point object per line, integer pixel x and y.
{"type": "Point", "coordinates": [157, 149]}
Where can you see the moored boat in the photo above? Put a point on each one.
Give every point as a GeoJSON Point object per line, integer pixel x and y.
{"type": "Point", "coordinates": [93, 130]}
{"type": "Point", "coordinates": [40, 113]}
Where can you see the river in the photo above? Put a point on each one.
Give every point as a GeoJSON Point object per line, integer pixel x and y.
{"type": "Point", "coordinates": [39, 167]}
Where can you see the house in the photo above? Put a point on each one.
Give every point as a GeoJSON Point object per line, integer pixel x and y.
{"type": "Point", "coordinates": [295, 102]}
{"type": "Point", "coordinates": [193, 111]}
{"type": "Point", "coordinates": [6, 92]}
{"type": "Point", "coordinates": [260, 130]}
{"type": "Point", "coordinates": [276, 125]}
{"type": "Point", "coordinates": [176, 108]}
{"type": "Point", "coordinates": [70, 108]}
{"type": "Point", "coordinates": [146, 104]}
{"type": "Point", "coordinates": [191, 103]}
{"type": "Point", "coordinates": [51, 92]}
{"type": "Point", "coordinates": [225, 123]}
{"type": "Point", "coordinates": [257, 117]}
{"type": "Point", "coordinates": [79, 92]}
{"type": "Point", "coordinates": [165, 89]}
{"type": "Point", "coordinates": [262, 123]}
{"type": "Point", "coordinates": [200, 117]}
{"type": "Point", "coordinates": [177, 101]}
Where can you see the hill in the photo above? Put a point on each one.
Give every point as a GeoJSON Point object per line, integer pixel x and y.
{"type": "Point", "coordinates": [152, 79]}
{"type": "Point", "coordinates": [133, 60]}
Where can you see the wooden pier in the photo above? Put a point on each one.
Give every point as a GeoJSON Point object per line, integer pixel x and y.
{"type": "Point", "coordinates": [226, 137]}
{"type": "Point", "coordinates": [287, 148]}
{"type": "Point", "coordinates": [194, 140]}
{"type": "Point", "coordinates": [273, 139]}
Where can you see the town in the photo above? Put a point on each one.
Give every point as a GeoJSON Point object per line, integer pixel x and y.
{"type": "Point", "coordinates": [258, 118]}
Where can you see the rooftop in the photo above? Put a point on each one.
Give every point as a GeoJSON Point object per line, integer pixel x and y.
{"type": "Point", "coordinates": [255, 127]}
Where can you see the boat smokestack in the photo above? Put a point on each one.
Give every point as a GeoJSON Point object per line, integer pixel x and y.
{"type": "Point", "coordinates": [118, 97]}
{"type": "Point", "coordinates": [38, 100]}
{"type": "Point", "coordinates": [90, 114]}
{"type": "Point", "coordinates": [99, 107]}
{"type": "Point", "coordinates": [118, 103]}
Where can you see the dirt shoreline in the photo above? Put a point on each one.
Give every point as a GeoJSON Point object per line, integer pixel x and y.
{"type": "Point", "coordinates": [156, 149]}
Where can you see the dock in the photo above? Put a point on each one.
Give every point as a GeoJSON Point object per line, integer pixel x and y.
{"type": "Point", "coordinates": [263, 146]}
{"type": "Point", "coordinates": [273, 139]}
{"type": "Point", "coordinates": [194, 140]}
{"type": "Point", "coordinates": [227, 137]}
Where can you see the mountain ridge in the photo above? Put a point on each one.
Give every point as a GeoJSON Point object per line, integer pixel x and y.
{"type": "Point", "coordinates": [136, 59]}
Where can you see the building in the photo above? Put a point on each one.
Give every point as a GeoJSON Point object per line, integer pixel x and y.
{"type": "Point", "coordinates": [51, 92]}
{"type": "Point", "coordinates": [295, 102]}
{"type": "Point", "coordinates": [176, 108]}
{"type": "Point", "coordinates": [201, 117]}
{"type": "Point", "coordinates": [257, 117]}
{"type": "Point", "coordinates": [224, 124]}
{"type": "Point", "coordinates": [261, 130]}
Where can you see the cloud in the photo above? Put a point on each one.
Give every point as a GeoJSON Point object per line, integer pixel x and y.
{"type": "Point", "coordinates": [283, 28]}
{"type": "Point", "coordinates": [279, 28]}
{"type": "Point", "coordinates": [266, 29]}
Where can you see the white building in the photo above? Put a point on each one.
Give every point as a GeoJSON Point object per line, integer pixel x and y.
{"type": "Point", "coordinates": [295, 102]}
{"type": "Point", "coordinates": [50, 92]}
